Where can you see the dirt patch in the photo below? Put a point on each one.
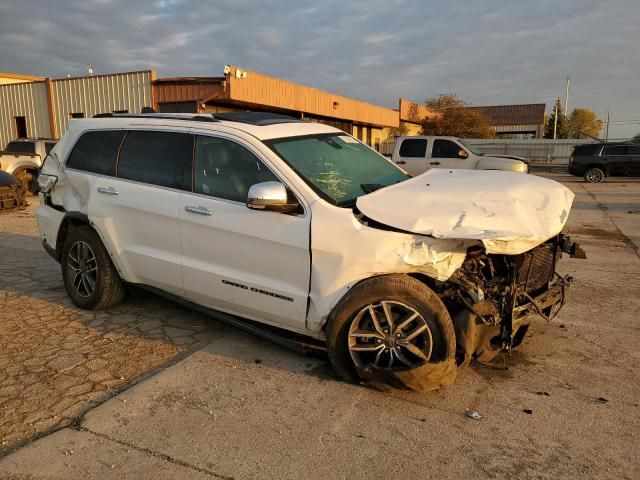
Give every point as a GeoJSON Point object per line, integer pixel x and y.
{"type": "Point", "coordinates": [598, 233]}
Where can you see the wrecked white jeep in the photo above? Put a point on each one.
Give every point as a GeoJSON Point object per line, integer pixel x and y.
{"type": "Point", "coordinates": [299, 233]}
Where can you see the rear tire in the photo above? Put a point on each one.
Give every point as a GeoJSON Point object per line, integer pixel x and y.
{"type": "Point", "coordinates": [594, 175]}
{"type": "Point", "coordinates": [360, 348]}
{"type": "Point", "coordinates": [90, 278]}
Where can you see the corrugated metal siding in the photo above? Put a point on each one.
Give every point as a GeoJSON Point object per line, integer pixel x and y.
{"type": "Point", "coordinates": [100, 94]}
{"type": "Point", "coordinates": [545, 151]}
{"type": "Point", "coordinates": [258, 89]}
{"type": "Point", "coordinates": [27, 100]}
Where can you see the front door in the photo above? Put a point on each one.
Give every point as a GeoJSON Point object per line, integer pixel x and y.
{"type": "Point", "coordinates": [251, 263]}
{"type": "Point", "coordinates": [446, 154]}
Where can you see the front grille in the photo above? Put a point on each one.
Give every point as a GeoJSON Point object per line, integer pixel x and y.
{"type": "Point", "coordinates": [536, 267]}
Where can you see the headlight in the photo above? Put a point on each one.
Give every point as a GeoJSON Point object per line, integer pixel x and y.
{"type": "Point", "coordinates": [46, 182]}
{"type": "Point", "coordinates": [520, 167]}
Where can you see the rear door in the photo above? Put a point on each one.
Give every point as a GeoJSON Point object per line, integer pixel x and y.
{"type": "Point", "coordinates": [614, 158]}
{"type": "Point", "coordinates": [136, 211]}
{"type": "Point", "coordinates": [412, 155]}
{"type": "Point", "coordinates": [633, 162]}
{"type": "Point", "coordinates": [446, 154]}
{"type": "Point", "coordinates": [247, 262]}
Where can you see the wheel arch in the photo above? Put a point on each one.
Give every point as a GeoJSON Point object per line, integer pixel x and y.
{"type": "Point", "coordinates": [70, 221]}
{"type": "Point", "coordinates": [598, 166]}
{"type": "Point", "coordinates": [420, 276]}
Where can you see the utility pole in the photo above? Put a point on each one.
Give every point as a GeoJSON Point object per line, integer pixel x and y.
{"type": "Point", "coordinates": [566, 100]}
{"type": "Point", "coordinates": [555, 120]}
{"type": "Point", "coordinates": [606, 132]}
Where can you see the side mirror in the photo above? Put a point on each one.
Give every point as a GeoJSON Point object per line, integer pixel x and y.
{"type": "Point", "coordinates": [463, 154]}
{"type": "Point", "coordinates": [270, 196]}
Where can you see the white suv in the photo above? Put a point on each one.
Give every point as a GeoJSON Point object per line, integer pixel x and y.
{"type": "Point", "coordinates": [266, 221]}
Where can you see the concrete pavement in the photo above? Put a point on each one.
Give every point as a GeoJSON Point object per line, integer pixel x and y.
{"type": "Point", "coordinates": [242, 408]}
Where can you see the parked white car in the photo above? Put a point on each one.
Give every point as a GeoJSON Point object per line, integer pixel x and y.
{"type": "Point", "coordinates": [297, 225]}
{"type": "Point", "coordinates": [418, 154]}
{"type": "Point", "coordinates": [23, 159]}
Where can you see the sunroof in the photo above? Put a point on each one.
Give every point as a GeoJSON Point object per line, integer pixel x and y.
{"type": "Point", "coordinates": [260, 119]}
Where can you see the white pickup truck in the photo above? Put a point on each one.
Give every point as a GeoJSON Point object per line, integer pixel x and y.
{"type": "Point", "coordinates": [417, 154]}
{"type": "Point", "coordinates": [23, 159]}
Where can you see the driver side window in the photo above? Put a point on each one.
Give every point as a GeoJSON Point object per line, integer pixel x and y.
{"type": "Point", "coordinates": [445, 149]}
{"type": "Point", "coordinates": [225, 169]}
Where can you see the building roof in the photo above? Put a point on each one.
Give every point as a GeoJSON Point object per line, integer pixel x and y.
{"type": "Point", "coordinates": [528, 114]}
{"type": "Point", "coordinates": [18, 76]}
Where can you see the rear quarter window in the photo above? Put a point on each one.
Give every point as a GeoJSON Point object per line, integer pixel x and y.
{"type": "Point", "coordinates": [96, 152]}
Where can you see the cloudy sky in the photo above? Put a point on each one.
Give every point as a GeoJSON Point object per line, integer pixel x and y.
{"type": "Point", "coordinates": [488, 52]}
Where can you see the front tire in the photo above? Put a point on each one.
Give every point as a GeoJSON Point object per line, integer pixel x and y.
{"type": "Point", "coordinates": [30, 181]}
{"type": "Point", "coordinates": [594, 175]}
{"type": "Point", "coordinates": [90, 278]}
{"type": "Point", "coordinates": [392, 330]}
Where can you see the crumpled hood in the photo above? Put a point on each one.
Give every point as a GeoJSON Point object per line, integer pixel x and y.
{"type": "Point", "coordinates": [509, 212]}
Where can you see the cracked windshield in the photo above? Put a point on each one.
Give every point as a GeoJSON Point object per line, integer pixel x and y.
{"type": "Point", "coordinates": [337, 166]}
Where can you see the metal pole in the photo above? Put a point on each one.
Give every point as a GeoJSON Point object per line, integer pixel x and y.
{"type": "Point", "coordinates": [566, 100]}
{"type": "Point", "coordinates": [555, 120]}
{"type": "Point", "coordinates": [606, 132]}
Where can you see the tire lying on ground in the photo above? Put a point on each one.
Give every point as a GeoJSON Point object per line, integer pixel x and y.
{"type": "Point", "coordinates": [12, 192]}
{"type": "Point", "coordinates": [394, 331]}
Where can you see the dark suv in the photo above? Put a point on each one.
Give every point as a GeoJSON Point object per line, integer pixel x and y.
{"type": "Point", "coordinates": [595, 161]}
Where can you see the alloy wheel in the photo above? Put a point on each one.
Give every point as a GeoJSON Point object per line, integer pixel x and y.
{"type": "Point", "coordinates": [389, 335]}
{"type": "Point", "coordinates": [83, 267]}
{"type": "Point", "coordinates": [594, 176]}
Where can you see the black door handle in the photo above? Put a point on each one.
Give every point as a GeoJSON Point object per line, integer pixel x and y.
{"type": "Point", "coordinates": [401, 162]}
{"type": "Point", "coordinates": [434, 163]}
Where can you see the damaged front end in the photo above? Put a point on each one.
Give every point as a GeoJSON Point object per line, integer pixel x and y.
{"type": "Point", "coordinates": [492, 296]}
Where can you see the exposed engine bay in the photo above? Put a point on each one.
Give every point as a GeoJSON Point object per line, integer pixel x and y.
{"type": "Point", "coordinates": [491, 296]}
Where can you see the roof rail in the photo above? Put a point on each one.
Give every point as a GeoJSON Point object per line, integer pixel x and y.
{"type": "Point", "coordinates": [196, 117]}
{"type": "Point", "coordinates": [260, 119]}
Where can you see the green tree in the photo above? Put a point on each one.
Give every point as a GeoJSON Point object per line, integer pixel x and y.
{"type": "Point", "coordinates": [455, 119]}
{"type": "Point", "coordinates": [636, 138]}
{"type": "Point", "coordinates": [583, 123]}
{"type": "Point", "coordinates": [561, 128]}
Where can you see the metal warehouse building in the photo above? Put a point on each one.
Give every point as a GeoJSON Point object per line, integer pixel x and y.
{"type": "Point", "coordinates": [40, 107]}
{"type": "Point", "coordinates": [515, 121]}
{"type": "Point", "coordinates": [43, 107]}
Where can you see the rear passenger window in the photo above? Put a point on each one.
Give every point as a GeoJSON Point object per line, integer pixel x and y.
{"type": "Point", "coordinates": [633, 150]}
{"type": "Point", "coordinates": [413, 147]}
{"type": "Point", "coordinates": [225, 169]}
{"type": "Point", "coordinates": [96, 152]}
{"type": "Point", "coordinates": [157, 158]}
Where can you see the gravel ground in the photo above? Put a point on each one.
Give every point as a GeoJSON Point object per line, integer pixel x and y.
{"type": "Point", "coordinates": [56, 360]}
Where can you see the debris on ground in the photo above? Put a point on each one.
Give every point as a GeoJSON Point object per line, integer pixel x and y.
{"type": "Point", "coordinates": [545, 394]}
{"type": "Point", "coordinates": [528, 411]}
{"type": "Point", "coordinates": [602, 400]}
{"type": "Point", "coordinates": [474, 414]}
